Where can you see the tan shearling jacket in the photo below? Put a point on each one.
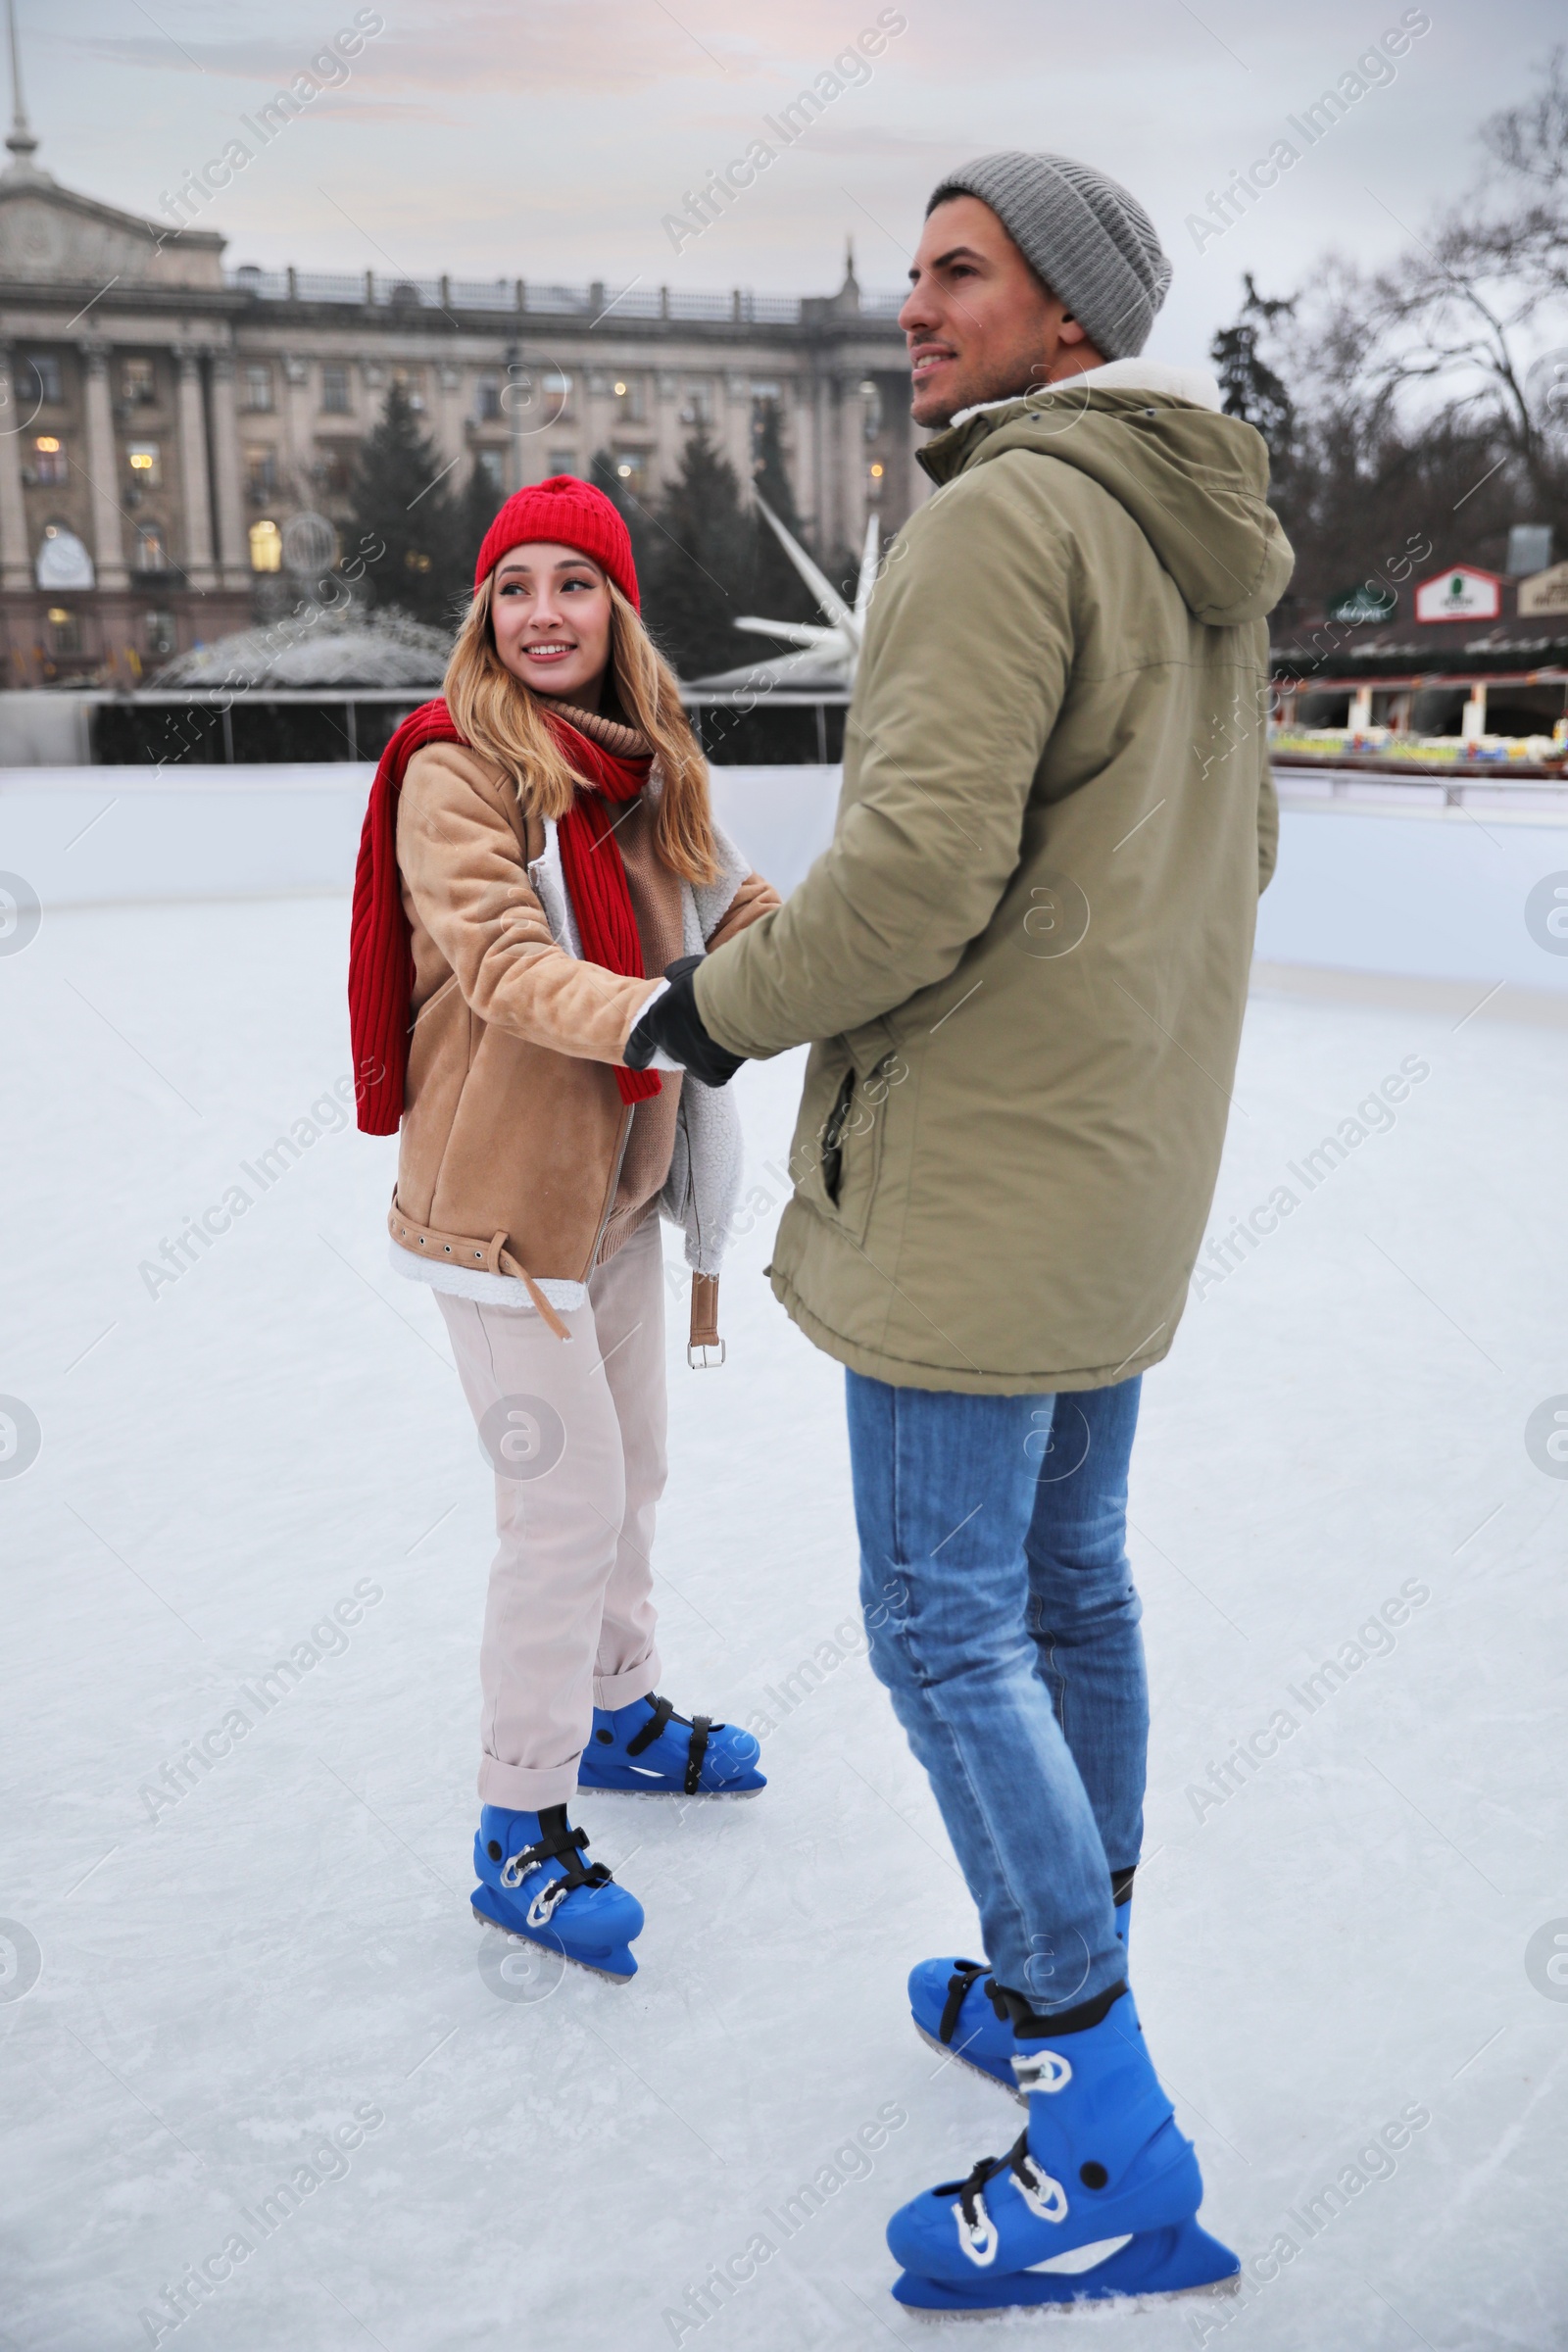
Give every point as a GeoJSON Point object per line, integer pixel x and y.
{"type": "Point", "coordinates": [517, 1154]}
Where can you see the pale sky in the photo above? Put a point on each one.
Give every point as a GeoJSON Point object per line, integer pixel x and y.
{"type": "Point", "coordinates": [550, 140]}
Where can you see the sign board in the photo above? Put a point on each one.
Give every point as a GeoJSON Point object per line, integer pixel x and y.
{"type": "Point", "coordinates": [1367, 603]}
{"type": "Point", "coordinates": [1461, 592]}
{"type": "Point", "coordinates": [1547, 592]}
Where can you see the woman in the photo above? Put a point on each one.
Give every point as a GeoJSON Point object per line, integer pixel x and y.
{"type": "Point", "coordinates": [536, 844]}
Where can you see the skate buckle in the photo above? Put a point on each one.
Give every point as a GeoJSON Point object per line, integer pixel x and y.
{"type": "Point", "coordinates": [1046, 2070]}
{"type": "Point", "coordinates": [514, 1870]}
{"type": "Point", "coordinates": [543, 1906]}
{"type": "Point", "coordinates": [1044, 2197]}
{"type": "Point", "coordinates": [978, 2237]}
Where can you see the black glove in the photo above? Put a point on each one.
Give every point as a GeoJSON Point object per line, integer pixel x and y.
{"type": "Point", "coordinates": [674, 1022]}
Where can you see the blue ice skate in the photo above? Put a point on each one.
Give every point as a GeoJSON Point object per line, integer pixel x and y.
{"type": "Point", "coordinates": [533, 1881]}
{"type": "Point", "coordinates": [647, 1750]}
{"type": "Point", "coordinates": [958, 2010]}
{"type": "Point", "coordinates": [1098, 2199]}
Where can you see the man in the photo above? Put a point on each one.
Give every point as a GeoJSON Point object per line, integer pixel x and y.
{"type": "Point", "coordinates": [1023, 962]}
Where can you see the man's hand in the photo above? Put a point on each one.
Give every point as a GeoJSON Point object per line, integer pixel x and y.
{"type": "Point", "coordinates": [672, 1024]}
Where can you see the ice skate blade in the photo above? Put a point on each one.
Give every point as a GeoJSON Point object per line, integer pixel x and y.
{"type": "Point", "coordinates": [697, 1795]}
{"type": "Point", "coordinates": [1146, 2299]}
{"type": "Point", "coordinates": [958, 2059]}
{"type": "Point", "coordinates": [536, 1943]}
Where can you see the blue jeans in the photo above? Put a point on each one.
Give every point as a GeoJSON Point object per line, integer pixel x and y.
{"type": "Point", "coordinates": [1002, 1619]}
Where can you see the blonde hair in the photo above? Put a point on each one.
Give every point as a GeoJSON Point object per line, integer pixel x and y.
{"type": "Point", "coordinates": [500, 716]}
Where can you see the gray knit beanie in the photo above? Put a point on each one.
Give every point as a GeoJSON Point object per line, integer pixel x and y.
{"type": "Point", "coordinates": [1094, 245]}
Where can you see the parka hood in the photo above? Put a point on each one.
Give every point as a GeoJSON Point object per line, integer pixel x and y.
{"type": "Point", "coordinates": [1195, 482]}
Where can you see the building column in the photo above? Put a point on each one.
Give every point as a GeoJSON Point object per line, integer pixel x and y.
{"type": "Point", "coordinates": [192, 430]}
{"type": "Point", "coordinates": [16, 559]}
{"type": "Point", "coordinates": [103, 470]}
{"type": "Point", "coordinates": [233, 547]}
{"type": "Point", "coordinates": [851, 461]}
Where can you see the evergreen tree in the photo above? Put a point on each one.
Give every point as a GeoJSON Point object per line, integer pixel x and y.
{"type": "Point", "coordinates": [403, 506]}
{"type": "Point", "coordinates": [475, 512]}
{"type": "Point", "coordinates": [698, 563]}
{"type": "Point", "coordinates": [1252, 391]}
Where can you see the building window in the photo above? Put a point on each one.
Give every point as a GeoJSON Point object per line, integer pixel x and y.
{"type": "Point", "coordinates": [159, 635]}
{"type": "Point", "coordinates": [146, 464]}
{"type": "Point", "coordinates": [631, 471]}
{"type": "Point", "coordinates": [563, 460]}
{"type": "Point", "coordinates": [267, 547]}
{"type": "Point", "coordinates": [411, 382]}
{"type": "Point", "coordinates": [259, 389]}
{"type": "Point", "coordinates": [335, 391]}
{"type": "Point", "coordinates": [334, 467]}
{"type": "Point", "coordinates": [38, 383]}
{"type": "Point", "coordinates": [630, 397]}
{"type": "Point", "coordinates": [261, 471]}
{"type": "Point", "coordinates": [489, 464]}
{"type": "Point", "coordinates": [487, 398]}
{"type": "Point", "coordinates": [697, 401]}
{"type": "Point", "coordinates": [65, 629]}
{"type": "Point", "coordinates": [138, 385]}
{"type": "Point", "coordinates": [555, 390]}
{"type": "Point", "coordinates": [49, 458]}
{"type": "Point", "coordinates": [151, 553]}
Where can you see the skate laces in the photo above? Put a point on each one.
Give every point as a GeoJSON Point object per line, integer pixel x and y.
{"type": "Point", "coordinates": [1044, 2197]}
{"type": "Point", "coordinates": [557, 1845]}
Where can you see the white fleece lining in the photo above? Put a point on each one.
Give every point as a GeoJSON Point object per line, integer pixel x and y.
{"type": "Point", "coordinates": [1120, 375]}
{"type": "Point", "coordinates": [488, 1290]}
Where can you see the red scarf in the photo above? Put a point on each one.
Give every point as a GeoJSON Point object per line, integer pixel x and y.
{"type": "Point", "coordinates": [380, 950]}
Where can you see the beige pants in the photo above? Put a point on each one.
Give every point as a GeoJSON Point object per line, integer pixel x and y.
{"type": "Point", "coordinates": [576, 1430]}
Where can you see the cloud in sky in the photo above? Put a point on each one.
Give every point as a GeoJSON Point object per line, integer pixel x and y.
{"type": "Point", "coordinates": [551, 141]}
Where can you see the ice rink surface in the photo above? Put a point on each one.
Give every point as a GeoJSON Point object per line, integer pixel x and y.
{"type": "Point", "coordinates": [207, 1974]}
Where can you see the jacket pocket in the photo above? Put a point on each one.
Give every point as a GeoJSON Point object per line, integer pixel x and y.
{"type": "Point", "coordinates": [838, 1151]}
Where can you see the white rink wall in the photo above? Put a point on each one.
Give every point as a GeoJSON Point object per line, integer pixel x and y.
{"type": "Point", "coordinates": [1390, 882]}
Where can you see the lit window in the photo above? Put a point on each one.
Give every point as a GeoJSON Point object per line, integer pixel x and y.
{"type": "Point", "coordinates": [876, 473]}
{"type": "Point", "coordinates": [151, 553]}
{"type": "Point", "coordinates": [631, 468]}
{"type": "Point", "coordinates": [65, 628]}
{"type": "Point", "coordinates": [267, 547]}
{"type": "Point", "coordinates": [48, 459]}
{"type": "Point", "coordinates": [146, 465]}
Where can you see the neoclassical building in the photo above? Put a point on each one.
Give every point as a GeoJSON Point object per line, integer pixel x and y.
{"type": "Point", "coordinates": [165, 422]}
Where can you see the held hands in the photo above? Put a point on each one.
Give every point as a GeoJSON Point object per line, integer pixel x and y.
{"type": "Point", "coordinates": [674, 1024]}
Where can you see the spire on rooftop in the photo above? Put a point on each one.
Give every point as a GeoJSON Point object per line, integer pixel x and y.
{"type": "Point", "coordinates": [23, 144]}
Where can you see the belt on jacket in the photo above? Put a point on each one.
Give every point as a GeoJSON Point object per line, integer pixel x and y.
{"type": "Point", "coordinates": [491, 1257]}
{"type": "Point", "coordinates": [494, 1258]}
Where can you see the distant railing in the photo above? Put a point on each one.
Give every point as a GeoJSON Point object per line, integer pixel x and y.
{"type": "Point", "coordinates": [529, 298]}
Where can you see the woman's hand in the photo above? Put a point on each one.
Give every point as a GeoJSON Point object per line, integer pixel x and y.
{"type": "Point", "coordinates": [674, 1024]}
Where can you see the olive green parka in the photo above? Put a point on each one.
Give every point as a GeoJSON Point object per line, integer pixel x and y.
{"type": "Point", "coordinates": [1023, 960]}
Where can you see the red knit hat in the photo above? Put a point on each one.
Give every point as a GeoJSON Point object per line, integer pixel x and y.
{"type": "Point", "coordinates": [571, 512]}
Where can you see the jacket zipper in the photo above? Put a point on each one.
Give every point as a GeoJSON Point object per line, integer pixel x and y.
{"type": "Point", "coordinates": [612, 1190]}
